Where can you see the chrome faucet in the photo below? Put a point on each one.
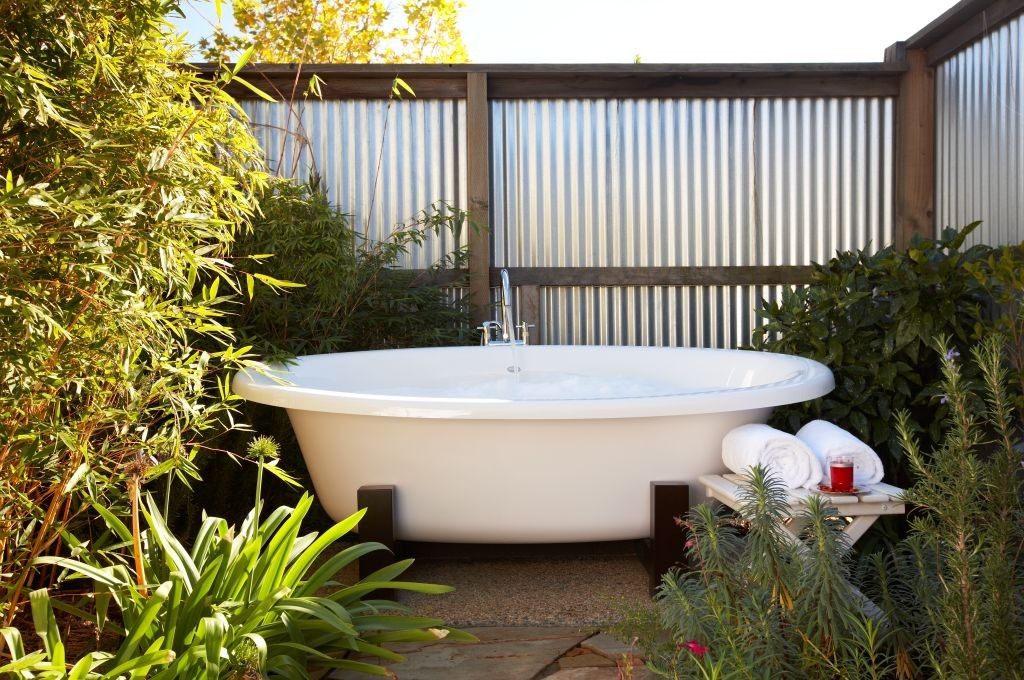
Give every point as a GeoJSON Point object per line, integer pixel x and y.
{"type": "Point", "coordinates": [504, 326]}
{"type": "Point", "coordinates": [508, 328]}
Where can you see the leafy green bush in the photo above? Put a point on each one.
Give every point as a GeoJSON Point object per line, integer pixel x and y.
{"type": "Point", "coordinates": [872, 318]}
{"type": "Point", "coordinates": [126, 179]}
{"type": "Point", "coordinates": [945, 602]}
{"type": "Point", "coordinates": [239, 603]}
{"type": "Point", "coordinates": [353, 296]}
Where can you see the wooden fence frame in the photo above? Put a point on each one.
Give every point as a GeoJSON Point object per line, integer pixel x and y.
{"type": "Point", "coordinates": [907, 74]}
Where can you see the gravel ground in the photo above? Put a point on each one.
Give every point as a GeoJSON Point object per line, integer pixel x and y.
{"type": "Point", "coordinates": [550, 591]}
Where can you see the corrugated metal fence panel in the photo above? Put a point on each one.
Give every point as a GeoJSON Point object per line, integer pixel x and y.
{"type": "Point", "coordinates": [979, 95]}
{"type": "Point", "coordinates": [420, 145]}
{"type": "Point", "coordinates": [685, 182]}
{"type": "Point", "coordinates": [678, 182]}
{"type": "Point", "coordinates": [691, 316]}
{"type": "Point", "coordinates": [824, 178]}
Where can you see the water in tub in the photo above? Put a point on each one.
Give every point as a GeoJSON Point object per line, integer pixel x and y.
{"type": "Point", "coordinates": [536, 386]}
{"type": "Point", "coordinates": [514, 368]}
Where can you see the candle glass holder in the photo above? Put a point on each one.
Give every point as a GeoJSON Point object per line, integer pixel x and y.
{"type": "Point", "coordinates": [840, 473]}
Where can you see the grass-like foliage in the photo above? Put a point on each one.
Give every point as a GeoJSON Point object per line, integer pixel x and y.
{"type": "Point", "coordinates": [946, 602]}
{"type": "Point", "coordinates": [125, 180]}
{"type": "Point", "coordinates": [257, 601]}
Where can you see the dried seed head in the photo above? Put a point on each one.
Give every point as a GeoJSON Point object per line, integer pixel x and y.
{"type": "Point", "coordinates": [139, 465]}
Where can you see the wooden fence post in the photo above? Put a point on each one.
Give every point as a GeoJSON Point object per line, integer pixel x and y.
{"type": "Point", "coordinates": [529, 312]}
{"type": "Point", "coordinates": [478, 170]}
{"type": "Point", "coordinates": [915, 146]}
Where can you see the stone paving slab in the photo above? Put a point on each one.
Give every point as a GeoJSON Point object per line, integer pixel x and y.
{"type": "Point", "coordinates": [605, 673]}
{"type": "Point", "coordinates": [608, 646]}
{"type": "Point", "coordinates": [503, 653]}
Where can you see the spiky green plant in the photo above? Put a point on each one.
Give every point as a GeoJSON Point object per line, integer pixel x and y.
{"type": "Point", "coordinates": [245, 598]}
{"type": "Point", "coordinates": [964, 561]}
{"type": "Point", "coordinates": [946, 602]}
{"type": "Point", "coordinates": [761, 604]}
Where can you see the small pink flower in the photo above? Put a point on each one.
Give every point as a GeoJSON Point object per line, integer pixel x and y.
{"type": "Point", "coordinates": [696, 648]}
{"type": "Point", "coordinates": [689, 544]}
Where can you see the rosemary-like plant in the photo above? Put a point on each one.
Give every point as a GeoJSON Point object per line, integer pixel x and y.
{"type": "Point", "coordinates": [946, 602]}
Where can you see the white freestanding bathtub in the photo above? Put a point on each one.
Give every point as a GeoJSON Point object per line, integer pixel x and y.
{"type": "Point", "coordinates": [563, 450]}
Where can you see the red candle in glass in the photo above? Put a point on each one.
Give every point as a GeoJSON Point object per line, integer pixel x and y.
{"type": "Point", "coordinates": [840, 472]}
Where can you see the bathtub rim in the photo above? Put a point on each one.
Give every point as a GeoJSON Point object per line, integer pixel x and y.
{"type": "Point", "coordinates": [812, 380]}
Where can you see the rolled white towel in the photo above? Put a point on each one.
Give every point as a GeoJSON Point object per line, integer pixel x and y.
{"type": "Point", "coordinates": [782, 454]}
{"type": "Point", "coordinates": [826, 439]}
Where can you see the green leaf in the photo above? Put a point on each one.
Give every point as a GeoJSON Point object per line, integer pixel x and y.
{"type": "Point", "coordinates": [177, 558]}
{"type": "Point", "coordinates": [310, 554]}
{"type": "Point", "coordinates": [144, 627]}
{"type": "Point", "coordinates": [333, 565]}
{"type": "Point", "coordinates": [322, 609]}
{"type": "Point", "coordinates": [270, 568]}
{"type": "Point", "coordinates": [398, 85]}
{"type": "Point", "coordinates": [252, 88]}
{"type": "Point", "coordinates": [243, 59]}
{"type": "Point", "coordinates": [215, 631]}
{"type": "Point", "coordinates": [46, 625]}
{"type": "Point", "coordinates": [24, 663]}
{"type": "Point", "coordinates": [142, 663]}
{"type": "Point", "coordinates": [390, 622]}
{"type": "Point", "coordinates": [114, 523]}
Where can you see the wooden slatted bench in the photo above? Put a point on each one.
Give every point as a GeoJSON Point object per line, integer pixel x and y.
{"type": "Point", "coordinates": [863, 508]}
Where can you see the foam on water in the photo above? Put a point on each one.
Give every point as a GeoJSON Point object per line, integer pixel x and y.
{"type": "Point", "coordinates": [537, 386]}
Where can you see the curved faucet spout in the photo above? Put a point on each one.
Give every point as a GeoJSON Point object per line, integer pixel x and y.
{"type": "Point", "coordinates": [507, 324]}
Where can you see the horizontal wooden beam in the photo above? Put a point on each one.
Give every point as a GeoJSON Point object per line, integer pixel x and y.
{"type": "Point", "coordinates": [689, 85]}
{"type": "Point", "coordinates": [459, 71]}
{"type": "Point", "coordinates": [516, 81]}
{"type": "Point", "coordinates": [655, 276]}
{"type": "Point", "coordinates": [961, 25]}
{"type": "Point", "coordinates": [641, 276]}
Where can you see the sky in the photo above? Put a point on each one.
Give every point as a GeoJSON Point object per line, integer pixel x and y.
{"type": "Point", "coordinates": [668, 31]}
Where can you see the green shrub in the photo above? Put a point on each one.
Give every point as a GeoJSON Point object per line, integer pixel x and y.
{"type": "Point", "coordinates": [944, 603]}
{"type": "Point", "coordinates": [955, 585]}
{"type": "Point", "coordinates": [872, 318]}
{"type": "Point", "coordinates": [126, 179]}
{"type": "Point", "coordinates": [239, 603]}
{"type": "Point", "coordinates": [353, 297]}
{"type": "Point", "coordinates": [757, 605]}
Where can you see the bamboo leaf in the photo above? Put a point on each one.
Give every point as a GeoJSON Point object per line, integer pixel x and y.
{"type": "Point", "coordinates": [252, 88]}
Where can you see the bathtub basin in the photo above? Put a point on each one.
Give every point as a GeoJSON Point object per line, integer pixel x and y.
{"type": "Point", "coordinates": [561, 450]}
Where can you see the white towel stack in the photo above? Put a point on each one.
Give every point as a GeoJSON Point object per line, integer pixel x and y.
{"type": "Point", "coordinates": [782, 454]}
{"type": "Point", "coordinates": [826, 439]}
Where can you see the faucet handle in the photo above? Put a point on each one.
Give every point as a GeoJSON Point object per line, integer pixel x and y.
{"type": "Point", "coordinates": [524, 331]}
{"type": "Point", "coordinates": [485, 331]}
